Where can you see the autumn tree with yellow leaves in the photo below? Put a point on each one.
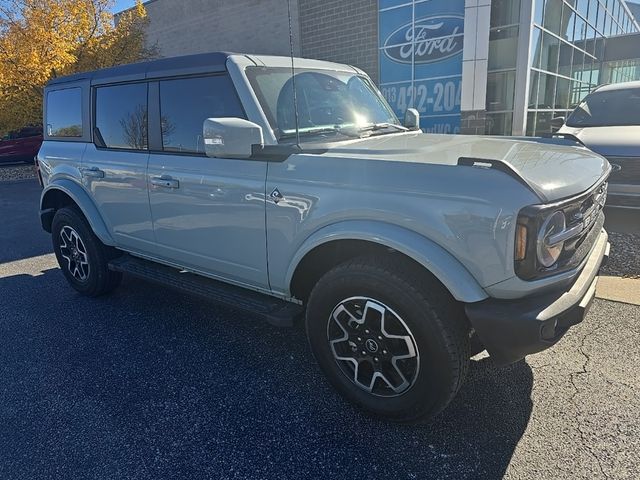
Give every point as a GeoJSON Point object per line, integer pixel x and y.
{"type": "Point", "coordinates": [44, 39]}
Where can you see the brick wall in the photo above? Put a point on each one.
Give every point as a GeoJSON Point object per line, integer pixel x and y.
{"type": "Point", "coordinates": [245, 26]}
{"type": "Point", "coordinates": [343, 31]}
{"type": "Point", "coordinates": [473, 122]}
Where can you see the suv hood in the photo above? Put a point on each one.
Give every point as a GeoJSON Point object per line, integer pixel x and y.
{"type": "Point", "coordinates": [621, 141]}
{"type": "Point", "coordinates": [552, 168]}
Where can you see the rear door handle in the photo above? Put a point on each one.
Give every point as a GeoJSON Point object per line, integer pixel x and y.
{"type": "Point", "coordinates": [165, 181]}
{"type": "Point", "coordinates": [91, 172]}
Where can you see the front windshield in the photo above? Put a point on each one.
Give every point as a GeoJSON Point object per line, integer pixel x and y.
{"type": "Point", "coordinates": [328, 101]}
{"type": "Point", "coordinates": [608, 108]}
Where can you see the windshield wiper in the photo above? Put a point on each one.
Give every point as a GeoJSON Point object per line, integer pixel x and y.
{"type": "Point", "coordinates": [357, 131]}
{"type": "Point", "coordinates": [348, 131]}
{"type": "Point", "coordinates": [383, 125]}
{"type": "Point", "coordinates": [313, 131]}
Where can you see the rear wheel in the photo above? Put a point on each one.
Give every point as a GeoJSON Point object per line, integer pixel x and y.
{"type": "Point", "coordinates": [389, 339]}
{"type": "Point", "coordinates": [82, 257]}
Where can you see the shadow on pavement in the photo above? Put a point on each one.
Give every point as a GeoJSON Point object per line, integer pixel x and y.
{"type": "Point", "coordinates": [21, 235]}
{"type": "Point", "coordinates": [622, 220]}
{"type": "Point", "coordinates": [148, 383]}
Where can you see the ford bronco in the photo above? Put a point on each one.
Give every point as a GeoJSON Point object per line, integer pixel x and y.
{"type": "Point", "coordinates": [299, 193]}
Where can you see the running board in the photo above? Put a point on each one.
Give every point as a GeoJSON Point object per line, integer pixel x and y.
{"type": "Point", "coordinates": [274, 310]}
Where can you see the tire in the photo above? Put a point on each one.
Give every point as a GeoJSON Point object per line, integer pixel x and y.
{"type": "Point", "coordinates": [345, 308]}
{"type": "Point", "coordinates": [82, 257]}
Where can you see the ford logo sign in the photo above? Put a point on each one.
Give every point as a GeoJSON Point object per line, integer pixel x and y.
{"type": "Point", "coordinates": [426, 40]}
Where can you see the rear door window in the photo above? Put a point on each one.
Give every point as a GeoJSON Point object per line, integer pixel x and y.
{"type": "Point", "coordinates": [121, 116]}
{"type": "Point", "coordinates": [64, 113]}
{"type": "Point", "coordinates": [186, 103]}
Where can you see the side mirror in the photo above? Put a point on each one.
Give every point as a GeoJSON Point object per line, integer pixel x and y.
{"type": "Point", "coordinates": [230, 137]}
{"type": "Point", "coordinates": [557, 123]}
{"type": "Point", "coordinates": [412, 119]}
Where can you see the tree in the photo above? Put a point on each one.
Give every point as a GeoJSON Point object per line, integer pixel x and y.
{"type": "Point", "coordinates": [44, 39]}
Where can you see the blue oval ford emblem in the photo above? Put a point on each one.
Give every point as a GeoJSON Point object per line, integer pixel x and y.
{"type": "Point", "coordinates": [428, 40]}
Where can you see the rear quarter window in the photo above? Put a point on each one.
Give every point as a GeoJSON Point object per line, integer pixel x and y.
{"type": "Point", "coordinates": [64, 113]}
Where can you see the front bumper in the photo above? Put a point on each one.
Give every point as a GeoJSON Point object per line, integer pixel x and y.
{"type": "Point", "coordinates": [512, 329]}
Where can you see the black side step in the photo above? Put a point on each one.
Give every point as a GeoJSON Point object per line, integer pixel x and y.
{"type": "Point", "coordinates": [274, 310]}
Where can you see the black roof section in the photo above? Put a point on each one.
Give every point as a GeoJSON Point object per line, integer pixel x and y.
{"type": "Point", "coordinates": [185, 65]}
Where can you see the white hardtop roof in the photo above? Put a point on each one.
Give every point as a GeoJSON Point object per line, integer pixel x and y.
{"type": "Point", "coordinates": [282, 61]}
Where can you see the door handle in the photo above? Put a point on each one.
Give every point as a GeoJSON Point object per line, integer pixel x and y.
{"type": "Point", "coordinates": [165, 181]}
{"type": "Point", "coordinates": [91, 172]}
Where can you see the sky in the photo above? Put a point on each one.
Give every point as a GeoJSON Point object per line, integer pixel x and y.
{"type": "Point", "coordinates": [123, 5]}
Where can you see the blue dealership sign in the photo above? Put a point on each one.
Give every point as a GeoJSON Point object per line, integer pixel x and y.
{"type": "Point", "coordinates": [430, 40]}
{"type": "Point", "coordinates": [420, 53]}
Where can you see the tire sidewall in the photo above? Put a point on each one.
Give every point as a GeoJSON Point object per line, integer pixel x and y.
{"type": "Point", "coordinates": [431, 390]}
{"type": "Point", "coordinates": [98, 271]}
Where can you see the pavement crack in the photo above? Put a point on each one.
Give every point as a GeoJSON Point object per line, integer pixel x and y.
{"type": "Point", "coordinates": [572, 377]}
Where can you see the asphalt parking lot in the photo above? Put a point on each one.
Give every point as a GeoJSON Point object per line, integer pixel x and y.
{"type": "Point", "coordinates": [148, 383]}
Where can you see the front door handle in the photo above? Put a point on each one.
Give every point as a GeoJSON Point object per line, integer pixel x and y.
{"type": "Point", "coordinates": [91, 172]}
{"type": "Point", "coordinates": [165, 181]}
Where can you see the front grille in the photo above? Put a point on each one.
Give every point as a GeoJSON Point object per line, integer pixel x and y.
{"type": "Point", "coordinates": [585, 210]}
{"type": "Point", "coordinates": [585, 220]}
{"type": "Point", "coordinates": [576, 249]}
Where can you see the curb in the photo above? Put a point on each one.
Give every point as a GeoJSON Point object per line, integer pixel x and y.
{"type": "Point", "coordinates": [619, 289]}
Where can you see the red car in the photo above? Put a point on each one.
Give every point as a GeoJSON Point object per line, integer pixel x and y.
{"type": "Point", "coordinates": [21, 145]}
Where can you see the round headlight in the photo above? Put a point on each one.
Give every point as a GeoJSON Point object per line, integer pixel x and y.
{"type": "Point", "coordinates": [549, 254]}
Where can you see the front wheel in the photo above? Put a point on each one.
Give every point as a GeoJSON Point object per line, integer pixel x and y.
{"type": "Point", "coordinates": [389, 338]}
{"type": "Point", "coordinates": [82, 257]}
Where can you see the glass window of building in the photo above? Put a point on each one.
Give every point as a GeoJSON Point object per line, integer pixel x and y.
{"type": "Point", "coordinates": [565, 59]}
{"type": "Point", "coordinates": [579, 29]}
{"type": "Point", "coordinates": [582, 7]}
{"type": "Point", "coordinates": [549, 52]}
{"type": "Point", "coordinates": [499, 123]}
{"type": "Point", "coordinates": [567, 48]}
{"type": "Point", "coordinates": [500, 90]}
{"type": "Point", "coordinates": [538, 12]}
{"type": "Point", "coordinates": [600, 19]}
{"type": "Point", "coordinates": [505, 12]}
{"type": "Point", "coordinates": [553, 16]}
{"type": "Point", "coordinates": [503, 48]}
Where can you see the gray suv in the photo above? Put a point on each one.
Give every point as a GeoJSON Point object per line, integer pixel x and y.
{"type": "Point", "coordinates": [607, 121]}
{"type": "Point", "coordinates": [291, 196]}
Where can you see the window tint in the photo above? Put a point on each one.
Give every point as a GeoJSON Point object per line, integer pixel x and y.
{"type": "Point", "coordinates": [186, 103]}
{"type": "Point", "coordinates": [64, 113]}
{"type": "Point", "coordinates": [121, 116]}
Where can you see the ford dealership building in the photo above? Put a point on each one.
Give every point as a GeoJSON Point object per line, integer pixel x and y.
{"type": "Point", "coordinates": [468, 66]}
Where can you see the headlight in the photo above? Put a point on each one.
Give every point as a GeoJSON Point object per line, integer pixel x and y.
{"type": "Point", "coordinates": [548, 254]}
